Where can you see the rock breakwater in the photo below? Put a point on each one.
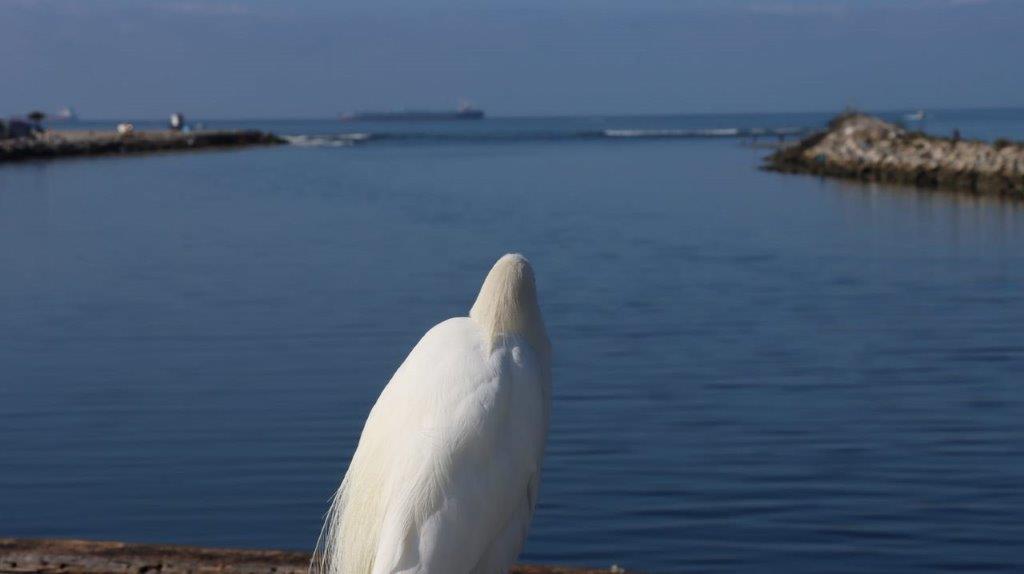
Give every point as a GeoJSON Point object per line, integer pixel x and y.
{"type": "Point", "coordinates": [56, 144]}
{"type": "Point", "coordinates": [858, 146]}
{"type": "Point", "coordinates": [25, 556]}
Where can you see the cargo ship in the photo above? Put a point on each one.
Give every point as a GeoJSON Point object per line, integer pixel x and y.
{"type": "Point", "coordinates": [465, 112]}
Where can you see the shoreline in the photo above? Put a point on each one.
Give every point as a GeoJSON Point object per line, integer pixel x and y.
{"type": "Point", "coordinates": [61, 144]}
{"type": "Point", "coordinates": [865, 148]}
{"type": "Point", "coordinates": [58, 556]}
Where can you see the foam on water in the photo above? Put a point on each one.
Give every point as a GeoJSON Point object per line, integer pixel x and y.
{"type": "Point", "coordinates": [318, 141]}
{"type": "Point", "coordinates": [527, 136]}
{"type": "Point", "coordinates": [708, 133]}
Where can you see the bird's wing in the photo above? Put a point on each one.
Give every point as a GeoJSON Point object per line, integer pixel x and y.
{"type": "Point", "coordinates": [460, 430]}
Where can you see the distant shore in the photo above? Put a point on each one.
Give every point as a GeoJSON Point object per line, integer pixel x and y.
{"type": "Point", "coordinates": [58, 144]}
{"type": "Point", "coordinates": [857, 146]}
{"type": "Point", "coordinates": [27, 556]}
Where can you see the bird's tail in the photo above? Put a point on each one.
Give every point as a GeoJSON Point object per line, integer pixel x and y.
{"type": "Point", "coordinates": [349, 536]}
{"type": "Point", "coordinates": [326, 546]}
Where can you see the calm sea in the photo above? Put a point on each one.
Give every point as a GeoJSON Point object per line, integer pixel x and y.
{"type": "Point", "coordinates": [754, 372]}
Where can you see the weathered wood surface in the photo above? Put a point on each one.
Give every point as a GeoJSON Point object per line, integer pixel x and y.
{"type": "Point", "coordinates": [56, 144]}
{"type": "Point", "coordinates": [24, 556]}
{"type": "Point", "coordinates": [857, 146]}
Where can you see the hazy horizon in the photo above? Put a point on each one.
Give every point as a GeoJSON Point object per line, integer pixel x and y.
{"type": "Point", "coordinates": [262, 59]}
{"type": "Point", "coordinates": [932, 111]}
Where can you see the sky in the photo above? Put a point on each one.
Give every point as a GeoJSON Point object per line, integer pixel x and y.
{"type": "Point", "coordinates": [134, 59]}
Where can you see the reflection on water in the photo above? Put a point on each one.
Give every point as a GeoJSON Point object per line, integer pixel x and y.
{"type": "Point", "coordinates": [754, 372]}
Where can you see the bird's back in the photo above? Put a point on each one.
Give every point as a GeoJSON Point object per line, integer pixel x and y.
{"type": "Point", "coordinates": [445, 476]}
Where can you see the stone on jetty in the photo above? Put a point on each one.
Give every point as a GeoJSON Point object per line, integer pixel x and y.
{"type": "Point", "coordinates": [858, 146]}
{"type": "Point", "coordinates": [54, 144]}
{"type": "Point", "coordinates": [19, 556]}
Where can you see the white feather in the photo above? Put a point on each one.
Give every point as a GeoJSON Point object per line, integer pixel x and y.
{"type": "Point", "coordinates": [446, 474]}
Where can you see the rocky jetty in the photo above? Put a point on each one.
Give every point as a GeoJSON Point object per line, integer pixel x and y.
{"type": "Point", "coordinates": [55, 144]}
{"type": "Point", "coordinates": [20, 556]}
{"type": "Point", "coordinates": [857, 146]}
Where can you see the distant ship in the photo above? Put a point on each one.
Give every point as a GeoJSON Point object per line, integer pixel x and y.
{"type": "Point", "coordinates": [917, 116]}
{"type": "Point", "coordinates": [465, 112]}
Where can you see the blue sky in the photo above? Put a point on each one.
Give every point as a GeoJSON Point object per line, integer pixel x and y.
{"type": "Point", "coordinates": [315, 58]}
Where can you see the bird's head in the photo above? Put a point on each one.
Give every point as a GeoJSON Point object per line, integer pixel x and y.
{"type": "Point", "coordinates": [507, 304]}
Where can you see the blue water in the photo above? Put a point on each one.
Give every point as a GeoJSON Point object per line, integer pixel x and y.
{"type": "Point", "coordinates": [754, 372]}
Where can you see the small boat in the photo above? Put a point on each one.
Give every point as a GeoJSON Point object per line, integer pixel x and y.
{"type": "Point", "coordinates": [917, 116]}
{"type": "Point", "coordinates": [65, 114]}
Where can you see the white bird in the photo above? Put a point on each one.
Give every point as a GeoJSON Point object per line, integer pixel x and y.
{"type": "Point", "coordinates": [446, 474]}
